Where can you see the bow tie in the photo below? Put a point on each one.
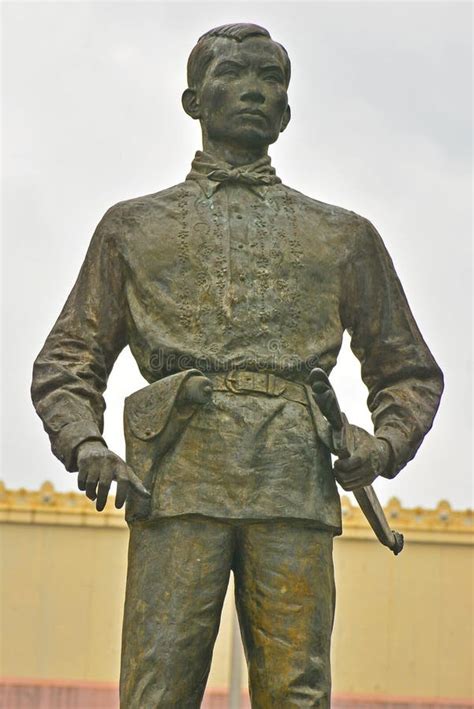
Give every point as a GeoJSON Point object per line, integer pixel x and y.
{"type": "Point", "coordinates": [256, 174]}
{"type": "Point", "coordinates": [248, 174]}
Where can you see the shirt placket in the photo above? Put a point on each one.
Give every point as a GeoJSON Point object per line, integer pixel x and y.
{"type": "Point", "coordinates": [238, 244]}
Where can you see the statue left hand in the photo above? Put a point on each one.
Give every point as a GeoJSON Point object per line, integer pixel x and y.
{"type": "Point", "coordinates": [368, 458]}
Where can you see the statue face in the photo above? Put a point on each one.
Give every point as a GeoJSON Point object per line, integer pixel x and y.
{"type": "Point", "coordinates": [243, 98]}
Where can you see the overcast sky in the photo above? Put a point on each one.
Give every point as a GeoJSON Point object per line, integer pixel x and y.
{"type": "Point", "coordinates": [381, 102]}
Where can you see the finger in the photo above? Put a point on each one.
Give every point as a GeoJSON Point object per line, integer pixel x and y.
{"type": "Point", "coordinates": [350, 487]}
{"type": "Point", "coordinates": [137, 484]}
{"type": "Point", "coordinates": [360, 473]}
{"type": "Point", "coordinates": [364, 480]}
{"type": "Point", "coordinates": [81, 478]}
{"type": "Point", "coordinates": [122, 491]}
{"type": "Point", "coordinates": [91, 484]}
{"type": "Point", "coordinates": [355, 482]}
{"type": "Point", "coordinates": [345, 465]}
{"type": "Point", "coordinates": [102, 493]}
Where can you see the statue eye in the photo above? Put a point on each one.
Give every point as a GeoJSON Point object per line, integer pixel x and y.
{"type": "Point", "coordinates": [227, 70]}
{"type": "Point", "coordinates": [273, 76]}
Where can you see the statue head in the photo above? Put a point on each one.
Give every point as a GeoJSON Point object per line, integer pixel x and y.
{"type": "Point", "coordinates": [237, 86]}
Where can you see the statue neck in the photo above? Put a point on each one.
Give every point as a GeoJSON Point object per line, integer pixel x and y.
{"type": "Point", "coordinates": [235, 155]}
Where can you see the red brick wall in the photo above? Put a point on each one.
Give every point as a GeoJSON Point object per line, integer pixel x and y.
{"type": "Point", "coordinates": [31, 694]}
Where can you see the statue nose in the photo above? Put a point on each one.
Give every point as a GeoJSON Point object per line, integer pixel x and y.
{"type": "Point", "coordinates": [253, 96]}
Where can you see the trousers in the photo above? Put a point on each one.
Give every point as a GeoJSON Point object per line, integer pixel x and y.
{"type": "Point", "coordinates": [178, 572]}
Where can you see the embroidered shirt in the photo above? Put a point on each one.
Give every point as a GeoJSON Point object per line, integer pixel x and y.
{"type": "Point", "coordinates": [216, 274]}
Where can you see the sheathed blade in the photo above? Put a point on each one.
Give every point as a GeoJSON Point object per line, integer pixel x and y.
{"type": "Point", "coordinates": [372, 509]}
{"type": "Point", "coordinates": [326, 399]}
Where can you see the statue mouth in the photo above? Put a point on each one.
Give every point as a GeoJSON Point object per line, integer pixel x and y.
{"type": "Point", "coordinates": [255, 112]}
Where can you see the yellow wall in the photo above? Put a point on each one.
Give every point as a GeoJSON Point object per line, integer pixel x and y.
{"type": "Point", "coordinates": [403, 624]}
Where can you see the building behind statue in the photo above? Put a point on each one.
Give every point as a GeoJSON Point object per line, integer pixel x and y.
{"type": "Point", "coordinates": [403, 633]}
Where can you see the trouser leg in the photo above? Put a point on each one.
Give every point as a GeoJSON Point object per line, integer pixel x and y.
{"type": "Point", "coordinates": [285, 599]}
{"type": "Point", "coordinates": [178, 573]}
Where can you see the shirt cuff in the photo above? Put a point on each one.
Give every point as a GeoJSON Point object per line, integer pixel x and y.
{"type": "Point", "coordinates": [400, 453]}
{"type": "Point", "coordinates": [70, 437]}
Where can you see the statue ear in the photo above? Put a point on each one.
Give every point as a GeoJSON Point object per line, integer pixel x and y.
{"type": "Point", "coordinates": [191, 104]}
{"type": "Point", "coordinates": [286, 119]}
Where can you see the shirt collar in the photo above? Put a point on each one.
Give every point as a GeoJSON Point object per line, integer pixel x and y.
{"type": "Point", "coordinates": [257, 176]}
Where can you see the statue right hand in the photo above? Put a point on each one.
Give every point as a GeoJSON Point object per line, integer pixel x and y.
{"type": "Point", "coordinates": [196, 390]}
{"type": "Point", "coordinates": [98, 466]}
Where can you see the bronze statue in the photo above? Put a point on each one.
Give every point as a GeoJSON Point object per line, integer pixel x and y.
{"type": "Point", "coordinates": [229, 289]}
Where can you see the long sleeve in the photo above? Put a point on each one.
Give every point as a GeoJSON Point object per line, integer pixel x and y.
{"type": "Point", "coordinates": [403, 379]}
{"type": "Point", "coordinates": [71, 371]}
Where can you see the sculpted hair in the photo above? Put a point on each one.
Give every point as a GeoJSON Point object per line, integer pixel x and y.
{"type": "Point", "coordinates": [203, 53]}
